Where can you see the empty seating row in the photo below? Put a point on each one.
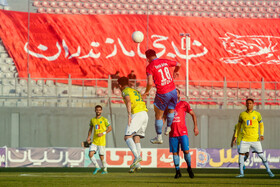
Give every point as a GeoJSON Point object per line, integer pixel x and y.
{"type": "Point", "coordinates": [242, 3]}
{"type": "Point", "coordinates": [170, 13]}
{"type": "Point", "coordinates": [155, 7]}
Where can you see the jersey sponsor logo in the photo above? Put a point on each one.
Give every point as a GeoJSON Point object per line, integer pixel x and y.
{"type": "Point", "coordinates": [249, 122]}
{"type": "Point", "coordinates": [97, 126]}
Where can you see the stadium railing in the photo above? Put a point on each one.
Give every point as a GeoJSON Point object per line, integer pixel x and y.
{"type": "Point", "coordinates": [74, 92]}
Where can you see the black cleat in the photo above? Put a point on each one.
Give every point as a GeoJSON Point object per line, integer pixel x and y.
{"type": "Point", "coordinates": [190, 172]}
{"type": "Point", "coordinates": [178, 174]}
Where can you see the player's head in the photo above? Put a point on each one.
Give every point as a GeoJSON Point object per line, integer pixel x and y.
{"type": "Point", "coordinates": [178, 93]}
{"type": "Point", "coordinates": [123, 82]}
{"type": "Point", "coordinates": [249, 104]}
{"type": "Point", "coordinates": [150, 55]}
{"type": "Point", "coordinates": [98, 110]}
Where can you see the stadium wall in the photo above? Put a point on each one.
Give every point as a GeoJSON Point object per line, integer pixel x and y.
{"type": "Point", "coordinates": [68, 127]}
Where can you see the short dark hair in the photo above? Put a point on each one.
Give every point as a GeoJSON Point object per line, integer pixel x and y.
{"type": "Point", "coordinates": [98, 106]}
{"type": "Point", "coordinates": [123, 81]}
{"type": "Point", "coordinates": [250, 99]}
{"type": "Point", "coordinates": [150, 52]}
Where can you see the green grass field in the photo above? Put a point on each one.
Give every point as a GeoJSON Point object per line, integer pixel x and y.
{"type": "Point", "coordinates": [120, 177]}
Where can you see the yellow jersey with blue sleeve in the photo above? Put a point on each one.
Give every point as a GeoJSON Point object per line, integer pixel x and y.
{"type": "Point", "coordinates": [99, 126]}
{"type": "Point", "coordinates": [239, 135]}
{"type": "Point", "coordinates": [249, 124]}
{"type": "Point", "coordinates": [137, 104]}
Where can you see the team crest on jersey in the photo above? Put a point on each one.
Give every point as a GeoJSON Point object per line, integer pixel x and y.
{"type": "Point", "coordinates": [249, 122]}
{"type": "Point", "coordinates": [254, 117]}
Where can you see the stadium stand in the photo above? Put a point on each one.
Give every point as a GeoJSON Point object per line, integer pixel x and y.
{"type": "Point", "coordinates": [50, 92]}
{"type": "Point", "coordinates": [210, 8]}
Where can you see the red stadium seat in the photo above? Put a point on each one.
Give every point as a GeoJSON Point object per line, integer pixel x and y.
{"type": "Point", "coordinates": [99, 92]}
{"type": "Point", "coordinates": [233, 3]}
{"type": "Point", "coordinates": [75, 11]}
{"type": "Point", "coordinates": [58, 10]}
{"type": "Point", "coordinates": [62, 4]}
{"type": "Point", "coordinates": [87, 5]}
{"type": "Point", "coordinates": [91, 11]}
{"type": "Point", "coordinates": [54, 4]}
{"type": "Point", "coordinates": [83, 11]}
{"type": "Point", "coordinates": [70, 4]}
{"type": "Point", "coordinates": [37, 4]}
{"type": "Point", "coordinates": [241, 3]}
{"type": "Point", "coordinates": [45, 4]}
{"type": "Point", "coordinates": [209, 2]}
{"type": "Point", "coordinates": [41, 10]}
{"type": "Point", "coordinates": [204, 14]}
{"type": "Point", "coordinates": [249, 3]}
{"type": "Point", "coordinates": [78, 5]}
{"type": "Point", "coordinates": [66, 11]}
{"type": "Point", "coordinates": [49, 10]}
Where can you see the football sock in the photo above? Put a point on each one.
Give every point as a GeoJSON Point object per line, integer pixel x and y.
{"type": "Point", "coordinates": [104, 165]}
{"type": "Point", "coordinates": [170, 117]}
{"type": "Point", "coordinates": [159, 124]}
{"type": "Point", "coordinates": [138, 148]}
{"type": "Point", "coordinates": [131, 145]}
{"type": "Point", "coordinates": [188, 159]}
{"type": "Point", "coordinates": [176, 160]}
{"type": "Point", "coordinates": [261, 155]}
{"type": "Point", "coordinates": [241, 164]}
{"type": "Point", "coordinates": [94, 161]}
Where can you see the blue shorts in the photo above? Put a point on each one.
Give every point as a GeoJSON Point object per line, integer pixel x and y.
{"type": "Point", "coordinates": [162, 101]}
{"type": "Point", "coordinates": [174, 143]}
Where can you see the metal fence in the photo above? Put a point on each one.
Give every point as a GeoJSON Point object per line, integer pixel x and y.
{"type": "Point", "coordinates": [73, 92]}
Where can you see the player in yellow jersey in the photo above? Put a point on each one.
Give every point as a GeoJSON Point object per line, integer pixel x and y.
{"type": "Point", "coordinates": [249, 123]}
{"type": "Point", "coordinates": [137, 120]}
{"type": "Point", "coordinates": [238, 140]}
{"type": "Point", "coordinates": [101, 127]}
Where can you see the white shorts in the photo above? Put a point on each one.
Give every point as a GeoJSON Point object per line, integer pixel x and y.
{"type": "Point", "coordinates": [245, 147]}
{"type": "Point", "coordinates": [101, 149]}
{"type": "Point", "coordinates": [138, 124]}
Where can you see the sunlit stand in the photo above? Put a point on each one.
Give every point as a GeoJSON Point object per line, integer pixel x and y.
{"type": "Point", "coordinates": [185, 41]}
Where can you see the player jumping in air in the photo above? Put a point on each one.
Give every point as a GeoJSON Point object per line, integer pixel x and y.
{"type": "Point", "coordinates": [137, 120]}
{"type": "Point", "coordinates": [159, 72]}
{"type": "Point", "coordinates": [101, 127]}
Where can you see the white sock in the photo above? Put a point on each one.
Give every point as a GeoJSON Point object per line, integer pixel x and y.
{"type": "Point", "coordinates": [159, 136]}
{"type": "Point", "coordinates": [94, 162]}
{"type": "Point", "coordinates": [138, 147]}
{"type": "Point", "coordinates": [131, 145]}
{"type": "Point", "coordinates": [104, 165]}
{"type": "Point", "coordinates": [261, 155]}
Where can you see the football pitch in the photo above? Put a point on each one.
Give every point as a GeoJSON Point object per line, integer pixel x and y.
{"type": "Point", "coordinates": [120, 177]}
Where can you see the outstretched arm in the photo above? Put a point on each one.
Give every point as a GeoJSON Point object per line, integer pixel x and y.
{"type": "Point", "coordinates": [148, 87]}
{"type": "Point", "coordinates": [196, 131]}
{"type": "Point", "coordinates": [176, 70]}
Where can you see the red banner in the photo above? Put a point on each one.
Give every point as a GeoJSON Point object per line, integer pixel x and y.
{"type": "Point", "coordinates": [94, 46]}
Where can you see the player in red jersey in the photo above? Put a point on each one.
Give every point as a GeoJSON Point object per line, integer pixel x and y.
{"type": "Point", "coordinates": [179, 135]}
{"type": "Point", "coordinates": [159, 72]}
